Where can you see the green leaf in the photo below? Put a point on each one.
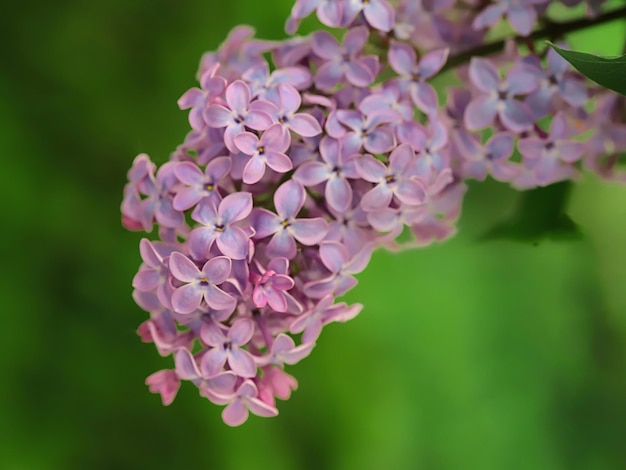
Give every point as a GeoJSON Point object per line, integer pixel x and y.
{"type": "Point", "coordinates": [540, 214]}
{"type": "Point", "coordinates": [609, 72]}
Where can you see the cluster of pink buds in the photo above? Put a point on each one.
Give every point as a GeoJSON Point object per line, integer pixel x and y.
{"type": "Point", "coordinates": [296, 170]}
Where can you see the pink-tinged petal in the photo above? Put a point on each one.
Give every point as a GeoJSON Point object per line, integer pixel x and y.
{"type": "Point", "coordinates": [343, 284]}
{"type": "Point", "coordinates": [480, 113]}
{"type": "Point", "coordinates": [295, 355]}
{"type": "Point", "coordinates": [213, 361]}
{"type": "Point", "coordinates": [411, 192]}
{"type": "Point", "coordinates": [247, 142]}
{"type": "Point", "coordinates": [186, 299]}
{"type": "Point", "coordinates": [484, 75]}
{"type": "Point", "coordinates": [309, 231]}
{"type": "Point", "coordinates": [258, 120]}
{"type": "Point", "coordinates": [359, 74]}
{"type": "Point", "coordinates": [425, 97]}
{"type": "Point", "coordinates": [200, 241]}
{"type": "Point", "coordinates": [223, 384]}
{"type": "Point", "coordinates": [312, 173]}
{"type": "Point", "coordinates": [349, 117]}
{"type": "Point", "coordinates": [182, 268]}
{"type": "Point", "coordinates": [359, 261]}
{"type": "Point", "coordinates": [279, 162]}
{"type": "Point", "coordinates": [546, 170]}
{"type": "Point", "coordinates": [218, 299]}
{"type": "Point", "coordinates": [235, 414]}
{"type": "Point", "coordinates": [233, 242]}
{"type": "Point", "coordinates": [505, 171]}
{"type": "Point", "coordinates": [401, 158]}
{"type": "Point", "coordinates": [258, 297]}
{"type": "Point", "coordinates": [522, 19]}
{"type": "Point", "coordinates": [238, 96]}
{"type": "Point", "coordinates": [242, 363]}
{"type": "Point", "coordinates": [190, 98]}
{"type": "Point", "coordinates": [355, 39]}
{"type": "Point", "coordinates": [218, 116]}
{"type": "Point", "coordinates": [205, 213]}
{"type": "Point", "coordinates": [265, 223]}
{"type": "Point", "coordinates": [276, 139]}
{"type": "Point", "coordinates": [283, 343]}
{"type": "Point", "coordinates": [279, 265]}
{"type": "Point", "coordinates": [254, 170]}
{"type": "Point", "coordinates": [377, 198]}
{"type": "Point", "coordinates": [489, 16]}
{"type": "Point", "coordinates": [334, 256]}
{"type": "Point", "coordinates": [382, 140]}
{"type": "Point", "coordinates": [188, 173]}
{"type": "Point", "coordinates": [146, 279]}
{"type": "Point", "coordinates": [260, 408]}
{"type": "Point", "coordinates": [516, 116]}
{"type": "Point", "coordinates": [380, 15]}
{"type": "Point", "coordinates": [330, 13]}
{"type": "Point", "coordinates": [305, 125]}
{"type": "Point", "coordinates": [433, 62]}
{"type": "Point", "coordinates": [281, 244]}
{"type": "Point", "coordinates": [315, 290]}
{"type": "Point", "coordinates": [217, 270]}
{"type": "Point", "coordinates": [371, 169]}
{"type": "Point", "coordinates": [570, 151]}
{"type": "Point", "coordinates": [186, 367]}
{"type": "Point", "coordinates": [338, 194]}
{"type": "Point", "coordinates": [325, 45]}
{"type": "Point", "coordinates": [235, 207]}
{"type": "Point", "coordinates": [289, 199]}
{"type": "Point", "coordinates": [166, 383]}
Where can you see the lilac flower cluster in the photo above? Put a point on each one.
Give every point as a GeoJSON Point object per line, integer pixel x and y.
{"type": "Point", "coordinates": [296, 169]}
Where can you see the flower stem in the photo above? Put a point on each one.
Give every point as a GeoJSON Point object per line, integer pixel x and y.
{"type": "Point", "coordinates": [552, 30]}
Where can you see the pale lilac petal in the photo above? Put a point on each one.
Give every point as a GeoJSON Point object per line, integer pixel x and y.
{"type": "Point", "coordinates": [217, 298]}
{"type": "Point", "coordinates": [501, 145]}
{"type": "Point", "coordinates": [222, 384]}
{"type": "Point", "coordinates": [355, 39]}
{"type": "Point", "coordinates": [305, 125]}
{"type": "Point", "coordinates": [382, 140]}
{"type": "Point", "coordinates": [325, 45]}
{"type": "Point", "coordinates": [188, 173]}
{"type": "Point", "coordinates": [522, 19]}
{"type": "Point", "coordinates": [570, 151]}
{"type": "Point", "coordinates": [328, 75]}
{"type": "Point", "coordinates": [233, 242]}
{"type": "Point", "coordinates": [146, 280]}
{"type": "Point", "coordinates": [218, 116]}
{"type": "Point", "coordinates": [217, 270]}
{"type": "Point", "coordinates": [289, 97]}
{"type": "Point", "coordinates": [489, 16]}
{"type": "Point", "coordinates": [279, 162]}
{"type": "Point", "coordinates": [425, 97]}
{"type": "Point", "coordinates": [521, 82]}
{"type": "Point", "coordinates": [241, 332]}
{"type": "Point", "coordinates": [384, 220]}
{"type": "Point", "coordinates": [312, 173]}
{"type": "Point", "coordinates": [309, 231]}
{"type": "Point", "coordinates": [574, 92]}
{"type": "Point", "coordinates": [260, 408]}
{"type": "Point", "coordinates": [235, 207]}
{"type": "Point", "coordinates": [433, 62]}
{"type": "Point", "coordinates": [377, 198]}
{"type": "Point", "coordinates": [281, 244]}
{"type": "Point", "coordinates": [379, 14]}
{"type": "Point", "coordinates": [480, 113]}
{"type": "Point", "coordinates": [338, 194]}
{"type": "Point", "coordinates": [484, 75]}
{"type": "Point", "coordinates": [359, 74]}
{"type": "Point", "coordinates": [182, 268]}
{"type": "Point", "coordinates": [186, 299]}
{"type": "Point", "coordinates": [235, 414]}
{"type": "Point", "coordinates": [276, 300]}
{"type": "Point", "coordinates": [258, 120]}
{"type": "Point", "coordinates": [295, 355]}
{"type": "Point", "coordinates": [186, 198]}
{"type": "Point", "coordinates": [334, 256]}
{"type": "Point", "coordinates": [247, 142]}
{"type": "Point", "coordinates": [402, 58]}
{"type": "Point", "coordinates": [265, 223]}
{"type": "Point", "coordinates": [214, 360]}
{"type": "Point", "coordinates": [516, 116]}
{"type": "Point", "coordinates": [186, 367]}
{"type": "Point", "coordinates": [411, 192]}
{"type": "Point", "coordinates": [289, 199]}
{"type": "Point", "coordinates": [212, 335]}
{"type": "Point", "coordinates": [238, 96]}
{"type": "Point", "coordinates": [371, 169]}
{"type": "Point", "coordinates": [242, 363]}
{"type": "Point", "coordinates": [330, 13]}
{"type": "Point", "coordinates": [254, 170]}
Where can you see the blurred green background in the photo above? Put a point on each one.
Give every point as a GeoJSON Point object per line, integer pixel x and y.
{"type": "Point", "coordinates": [468, 355]}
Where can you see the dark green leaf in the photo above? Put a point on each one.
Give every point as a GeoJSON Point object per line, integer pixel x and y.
{"type": "Point", "coordinates": [610, 72]}
{"type": "Point", "coordinates": [540, 214]}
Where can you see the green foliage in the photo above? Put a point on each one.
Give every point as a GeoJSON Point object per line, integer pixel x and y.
{"type": "Point", "coordinates": [540, 214]}
{"type": "Point", "coordinates": [610, 72]}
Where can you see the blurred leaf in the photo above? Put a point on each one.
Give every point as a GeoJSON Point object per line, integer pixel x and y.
{"type": "Point", "coordinates": [541, 214]}
{"type": "Point", "coordinates": [610, 72]}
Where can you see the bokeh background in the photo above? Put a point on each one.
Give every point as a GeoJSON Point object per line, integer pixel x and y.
{"type": "Point", "coordinates": [468, 355]}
